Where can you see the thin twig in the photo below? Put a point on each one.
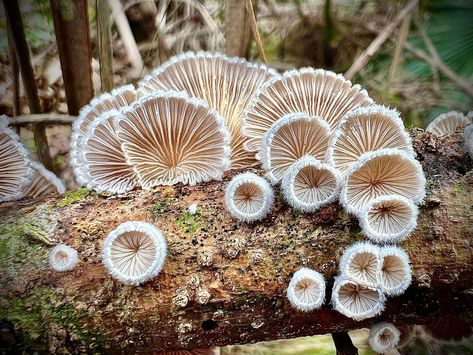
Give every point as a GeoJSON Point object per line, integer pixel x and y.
{"type": "Point", "coordinates": [254, 28]}
{"type": "Point", "coordinates": [43, 118]}
{"type": "Point", "coordinates": [433, 52]}
{"type": "Point", "coordinates": [363, 59]}
{"type": "Point", "coordinates": [104, 36]}
{"type": "Point", "coordinates": [397, 56]}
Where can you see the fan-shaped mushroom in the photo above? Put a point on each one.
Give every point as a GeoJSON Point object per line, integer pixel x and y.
{"type": "Point", "coordinates": [134, 252]}
{"type": "Point", "coordinates": [118, 98]}
{"type": "Point", "coordinates": [227, 84]}
{"type": "Point", "coordinates": [447, 123]}
{"type": "Point", "coordinates": [396, 274]}
{"type": "Point", "coordinates": [383, 337]}
{"type": "Point", "coordinates": [318, 92]}
{"type": "Point", "coordinates": [249, 197]}
{"type": "Point", "coordinates": [388, 218]}
{"type": "Point", "coordinates": [306, 290]}
{"type": "Point", "coordinates": [310, 184]}
{"type": "Point", "coordinates": [63, 258]}
{"type": "Point", "coordinates": [366, 129]}
{"type": "Point", "coordinates": [105, 166]}
{"type": "Point", "coordinates": [361, 263]}
{"type": "Point", "coordinates": [356, 301]}
{"type": "Point", "coordinates": [289, 139]}
{"type": "Point", "coordinates": [43, 182]}
{"type": "Point", "coordinates": [169, 138]}
{"type": "Point", "coordinates": [382, 172]}
{"type": "Point", "coordinates": [15, 168]}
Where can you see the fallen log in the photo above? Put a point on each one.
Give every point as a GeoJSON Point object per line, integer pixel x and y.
{"type": "Point", "coordinates": [223, 282]}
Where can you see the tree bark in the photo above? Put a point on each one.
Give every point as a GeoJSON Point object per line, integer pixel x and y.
{"type": "Point", "coordinates": [223, 282]}
{"type": "Point", "coordinates": [237, 29]}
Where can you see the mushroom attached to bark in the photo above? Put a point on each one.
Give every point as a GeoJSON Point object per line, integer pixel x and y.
{"type": "Point", "coordinates": [134, 252]}
{"type": "Point", "coordinates": [366, 129]}
{"type": "Point", "coordinates": [388, 218]}
{"type": "Point", "coordinates": [249, 197]}
{"type": "Point", "coordinates": [43, 182]}
{"type": "Point", "coordinates": [361, 263]}
{"type": "Point", "coordinates": [318, 92]}
{"type": "Point", "coordinates": [309, 184]}
{"type": "Point", "coordinates": [383, 172]}
{"type": "Point", "coordinates": [447, 123]}
{"type": "Point", "coordinates": [227, 84]}
{"type": "Point", "coordinates": [104, 162]}
{"type": "Point", "coordinates": [289, 139]}
{"type": "Point", "coordinates": [395, 274]}
{"type": "Point", "coordinates": [306, 290]}
{"type": "Point", "coordinates": [116, 99]}
{"type": "Point", "coordinates": [383, 337]}
{"type": "Point", "coordinates": [356, 301]}
{"type": "Point", "coordinates": [15, 167]}
{"type": "Point", "coordinates": [169, 139]}
{"type": "Point", "coordinates": [63, 258]}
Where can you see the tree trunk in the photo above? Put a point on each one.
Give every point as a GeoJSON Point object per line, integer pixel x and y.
{"type": "Point", "coordinates": [237, 29]}
{"type": "Point", "coordinates": [223, 282]}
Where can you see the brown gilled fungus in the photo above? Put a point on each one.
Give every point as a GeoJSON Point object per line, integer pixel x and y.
{"type": "Point", "coordinates": [43, 182]}
{"type": "Point", "coordinates": [383, 337]}
{"type": "Point", "coordinates": [227, 84]}
{"type": "Point", "coordinates": [361, 263]}
{"type": "Point", "coordinates": [105, 164]}
{"type": "Point", "coordinates": [169, 138]}
{"type": "Point", "coordinates": [289, 139]}
{"type": "Point", "coordinates": [382, 172]}
{"type": "Point", "coordinates": [134, 252]}
{"type": "Point", "coordinates": [15, 167]}
{"type": "Point", "coordinates": [395, 274]}
{"type": "Point", "coordinates": [447, 123]}
{"type": "Point", "coordinates": [318, 92]}
{"type": "Point", "coordinates": [118, 98]}
{"type": "Point", "coordinates": [366, 129]}
{"type": "Point", "coordinates": [306, 290]}
{"type": "Point", "coordinates": [63, 258]}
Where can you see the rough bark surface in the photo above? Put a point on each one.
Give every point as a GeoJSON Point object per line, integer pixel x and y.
{"type": "Point", "coordinates": [223, 282]}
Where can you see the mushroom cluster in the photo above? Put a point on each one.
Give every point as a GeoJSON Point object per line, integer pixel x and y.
{"type": "Point", "coordinates": [20, 176]}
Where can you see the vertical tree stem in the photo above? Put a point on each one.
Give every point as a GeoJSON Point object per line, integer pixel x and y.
{"type": "Point", "coordinates": [15, 72]}
{"type": "Point", "coordinates": [237, 29]}
{"type": "Point", "coordinates": [397, 57]}
{"type": "Point", "coordinates": [254, 27]}
{"type": "Point", "coordinates": [343, 344]}
{"type": "Point", "coordinates": [104, 36]}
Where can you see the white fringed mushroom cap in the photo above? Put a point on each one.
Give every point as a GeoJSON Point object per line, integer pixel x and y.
{"type": "Point", "coordinates": [468, 134]}
{"type": "Point", "coordinates": [289, 139]}
{"type": "Point", "coordinates": [63, 258]}
{"type": "Point", "coordinates": [309, 184]}
{"type": "Point", "coordinates": [395, 273]}
{"type": "Point", "coordinates": [134, 252]}
{"type": "Point", "coordinates": [306, 290]}
{"type": "Point", "coordinates": [104, 163]}
{"type": "Point", "coordinates": [227, 84]}
{"type": "Point", "coordinates": [318, 92]}
{"type": "Point", "coordinates": [382, 172]}
{"type": "Point", "coordinates": [361, 262]}
{"type": "Point", "coordinates": [43, 182]}
{"type": "Point", "coordinates": [356, 301]}
{"type": "Point", "coordinates": [15, 165]}
{"type": "Point", "coordinates": [388, 218]}
{"type": "Point", "coordinates": [447, 123]}
{"type": "Point", "coordinates": [383, 337]}
{"type": "Point", "coordinates": [116, 99]}
{"type": "Point", "coordinates": [170, 138]}
{"type": "Point", "coordinates": [367, 129]}
{"type": "Point", "coordinates": [249, 197]}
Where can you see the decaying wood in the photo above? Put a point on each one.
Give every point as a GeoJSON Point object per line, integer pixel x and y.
{"type": "Point", "coordinates": [45, 118]}
{"type": "Point", "coordinates": [223, 282]}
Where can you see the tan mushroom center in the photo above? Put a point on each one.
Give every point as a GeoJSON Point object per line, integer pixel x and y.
{"type": "Point", "coordinates": [61, 257]}
{"type": "Point", "coordinates": [386, 337]}
{"type": "Point", "coordinates": [314, 185]}
{"type": "Point", "coordinates": [307, 290]}
{"type": "Point", "coordinates": [363, 267]}
{"type": "Point", "coordinates": [393, 271]}
{"type": "Point", "coordinates": [389, 217]}
{"type": "Point", "coordinates": [249, 198]}
{"type": "Point", "coordinates": [358, 299]}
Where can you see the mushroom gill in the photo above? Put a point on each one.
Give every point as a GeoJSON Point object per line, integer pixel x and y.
{"type": "Point", "coordinates": [447, 123]}
{"type": "Point", "coordinates": [227, 84]}
{"type": "Point", "coordinates": [396, 274]}
{"type": "Point", "coordinates": [361, 263]}
{"type": "Point", "coordinates": [63, 258]}
{"type": "Point", "coordinates": [383, 337]}
{"type": "Point", "coordinates": [306, 290]}
{"type": "Point", "coordinates": [43, 182]}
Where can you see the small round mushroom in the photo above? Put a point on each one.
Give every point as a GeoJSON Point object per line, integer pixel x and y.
{"type": "Point", "coordinates": [227, 84]}
{"type": "Point", "coordinates": [356, 301]}
{"type": "Point", "coordinates": [367, 129]}
{"type": "Point", "coordinates": [447, 123]}
{"type": "Point", "coordinates": [383, 337]}
{"type": "Point", "coordinates": [361, 263]}
{"type": "Point", "coordinates": [382, 172]}
{"type": "Point", "coordinates": [395, 275]}
{"type": "Point", "coordinates": [388, 218]}
{"type": "Point", "coordinates": [310, 184]}
{"type": "Point", "coordinates": [249, 197]}
{"type": "Point", "coordinates": [169, 139]}
{"type": "Point", "coordinates": [15, 165]}
{"type": "Point", "coordinates": [306, 290]}
{"type": "Point", "coordinates": [289, 139]}
{"type": "Point", "coordinates": [134, 252]}
{"type": "Point", "coordinates": [104, 164]}
{"type": "Point", "coordinates": [318, 92]}
{"type": "Point", "coordinates": [63, 258]}
{"type": "Point", "coordinates": [43, 182]}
